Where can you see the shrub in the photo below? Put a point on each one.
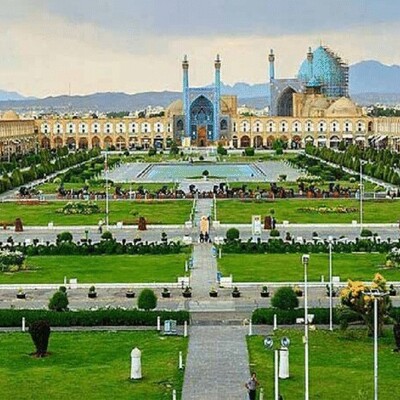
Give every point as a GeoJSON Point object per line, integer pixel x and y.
{"type": "Point", "coordinates": [40, 333]}
{"type": "Point", "coordinates": [107, 235]}
{"type": "Point", "coordinates": [232, 234]}
{"type": "Point", "coordinates": [147, 300]}
{"type": "Point", "coordinates": [366, 233]}
{"type": "Point", "coordinates": [205, 173]}
{"type": "Point", "coordinates": [221, 150]}
{"type": "Point", "coordinates": [274, 233]}
{"type": "Point", "coordinates": [152, 152]}
{"type": "Point", "coordinates": [285, 299]}
{"type": "Point", "coordinates": [64, 237]}
{"type": "Point", "coordinates": [249, 151]}
{"type": "Point", "coordinates": [59, 301]}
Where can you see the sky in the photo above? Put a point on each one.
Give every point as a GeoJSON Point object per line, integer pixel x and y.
{"type": "Point", "coordinates": [53, 47]}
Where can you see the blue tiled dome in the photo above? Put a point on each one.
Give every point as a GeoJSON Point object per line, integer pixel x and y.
{"type": "Point", "coordinates": [328, 70]}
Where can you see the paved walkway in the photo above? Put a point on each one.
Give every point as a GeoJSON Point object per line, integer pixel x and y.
{"type": "Point", "coordinates": [204, 272]}
{"type": "Point", "coordinates": [217, 363]}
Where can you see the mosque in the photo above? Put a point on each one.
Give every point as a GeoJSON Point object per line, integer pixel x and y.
{"type": "Point", "coordinates": [313, 107]}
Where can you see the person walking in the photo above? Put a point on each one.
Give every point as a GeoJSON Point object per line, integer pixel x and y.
{"type": "Point", "coordinates": [251, 386]}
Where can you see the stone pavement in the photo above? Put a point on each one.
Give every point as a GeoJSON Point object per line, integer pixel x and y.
{"type": "Point", "coordinates": [217, 365]}
{"type": "Point", "coordinates": [204, 272]}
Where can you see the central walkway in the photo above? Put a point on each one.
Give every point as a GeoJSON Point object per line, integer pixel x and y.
{"type": "Point", "coordinates": [217, 362]}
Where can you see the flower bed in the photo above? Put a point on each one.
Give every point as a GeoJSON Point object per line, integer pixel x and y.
{"type": "Point", "coordinates": [328, 210]}
{"type": "Point", "coordinates": [85, 208]}
{"type": "Point", "coordinates": [11, 260]}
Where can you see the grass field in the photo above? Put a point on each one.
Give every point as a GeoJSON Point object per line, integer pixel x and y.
{"type": "Point", "coordinates": [340, 365]}
{"type": "Point", "coordinates": [240, 211]}
{"type": "Point", "coordinates": [90, 366]}
{"type": "Point", "coordinates": [51, 188]}
{"type": "Point", "coordinates": [288, 267]}
{"type": "Point", "coordinates": [155, 212]}
{"type": "Point", "coordinates": [100, 269]}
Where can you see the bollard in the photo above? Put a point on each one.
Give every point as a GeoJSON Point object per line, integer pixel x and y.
{"type": "Point", "coordinates": [284, 363]}
{"type": "Point", "coordinates": [261, 394]}
{"type": "Point", "coordinates": [158, 323]}
{"type": "Point", "coordinates": [65, 281]}
{"type": "Point", "coordinates": [180, 360]}
{"type": "Point", "coordinates": [23, 324]}
{"type": "Point", "coordinates": [275, 323]}
{"type": "Point", "coordinates": [250, 328]}
{"type": "Point", "coordinates": [174, 394]}
{"type": "Point", "coordinates": [185, 329]}
{"type": "Point", "coordinates": [322, 278]}
{"type": "Point", "coordinates": [186, 266]}
{"type": "Point", "coordinates": [136, 366]}
{"type": "Point", "coordinates": [220, 253]}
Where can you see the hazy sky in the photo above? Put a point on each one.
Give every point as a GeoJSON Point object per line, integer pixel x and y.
{"type": "Point", "coordinates": [137, 45]}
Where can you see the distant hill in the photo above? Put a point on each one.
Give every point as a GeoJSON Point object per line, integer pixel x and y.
{"type": "Point", "coordinates": [370, 82]}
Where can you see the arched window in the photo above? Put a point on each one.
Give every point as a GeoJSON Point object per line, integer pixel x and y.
{"type": "Point", "coordinates": [179, 125]}
{"type": "Point", "coordinates": [223, 125]}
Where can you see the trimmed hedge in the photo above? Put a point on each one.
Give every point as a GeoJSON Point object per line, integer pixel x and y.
{"type": "Point", "coordinates": [265, 316]}
{"type": "Point", "coordinates": [112, 317]}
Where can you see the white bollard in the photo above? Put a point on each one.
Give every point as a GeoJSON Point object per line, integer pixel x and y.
{"type": "Point", "coordinates": [322, 278]}
{"type": "Point", "coordinates": [186, 266]}
{"type": "Point", "coordinates": [65, 281]}
{"type": "Point", "coordinates": [220, 253]}
{"type": "Point", "coordinates": [174, 394]}
{"type": "Point", "coordinates": [158, 323]}
{"type": "Point", "coordinates": [284, 363]}
{"type": "Point", "coordinates": [23, 324]}
{"type": "Point", "coordinates": [275, 322]}
{"type": "Point", "coordinates": [180, 360]}
{"type": "Point", "coordinates": [250, 328]}
{"type": "Point", "coordinates": [185, 329]}
{"type": "Point", "coordinates": [261, 394]}
{"type": "Point", "coordinates": [136, 365]}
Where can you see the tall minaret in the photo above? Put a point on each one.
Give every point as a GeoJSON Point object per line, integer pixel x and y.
{"type": "Point", "coordinates": [271, 59]}
{"type": "Point", "coordinates": [310, 57]}
{"type": "Point", "coordinates": [185, 94]}
{"type": "Point", "coordinates": [217, 97]}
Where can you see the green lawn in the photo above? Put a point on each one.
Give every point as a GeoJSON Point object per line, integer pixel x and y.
{"type": "Point", "coordinates": [155, 212]}
{"type": "Point", "coordinates": [341, 365]}
{"type": "Point", "coordinates": [100, 269]}
{"type": "Point", "coordinates": [240, 211]}
{"type": "Point", "coordinates": [288, 267]}
{"type": "Point", "coordinates": [90, 366]}
{"type": "Point", "coordinates": [51, 188]}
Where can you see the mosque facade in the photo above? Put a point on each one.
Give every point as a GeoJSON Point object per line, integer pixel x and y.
{"type": "Point", "coordinates": [313, 107]}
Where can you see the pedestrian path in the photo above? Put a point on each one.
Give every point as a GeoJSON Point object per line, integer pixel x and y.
{"type": "Point", "coordinates": [217, 363]}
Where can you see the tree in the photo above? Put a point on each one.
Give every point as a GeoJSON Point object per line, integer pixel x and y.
{"type": "Point", "coordinates": [147, 300]}
{"type": "Point", "coordinates": [64, 237]}
{"type": "Point", "coordinates": [285, 299]}
{"type": "Point", "coordinates": [174, 149]}
{"type": "Point", "coordinates": [357, 300]}
{"type": "Point", "coordinates": [59, 301]}
{"type": "Point", "coordinates": [40, 334]}
{"type": "Point", "coordinates": [221, 150]}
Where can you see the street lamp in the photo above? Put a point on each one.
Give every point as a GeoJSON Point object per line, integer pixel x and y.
{"type": "Point", "coordinates": [330, 285]}
{"type": "Point", "coordinates": [106, 176]}
{"type": "Point", "coordinates": [281, 364]}
{"type": "Point", "coordinates": [305, 259]}
{"type": "Point", "coordinates": [375, 294]}
{"type": "Point", "coordinates": [362, 162]}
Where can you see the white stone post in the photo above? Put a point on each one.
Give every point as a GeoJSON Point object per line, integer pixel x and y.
{"type": "Point", "coordinates": [185, 329]}
{"type": "Point", "coordinates": [174, 394]}
{"type": "Point", "coordinates": [186, 266]}
{"type": "Point", "coordinates": [158, 323]}
{"type": "Point", "coordinates": [261, 394]}
{"type": "Point", "coordinates": [23, 324]}
{"type": "Point", "coordinates": [284, 363]}
{"type": "Point", "coordinates": [180, 360]}
{"type": "Point", "coordinates": [220, 252]}
{"type": "Point", "coordinates": [275, 322]}
{"type": "Point", "coordinates": [250, 328]}
{"type": "Point", "coordinates": [65, 281]}
{"type": "Point", "coordinates": [136, 365]}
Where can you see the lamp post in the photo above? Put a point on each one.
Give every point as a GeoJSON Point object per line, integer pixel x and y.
{"type": "Point", "coordinates": [361, 194]}
{"type": "Point", "coordinates": [106, 173]}
{"type": "Point", "coordinates": [375, 294]}
{"type": "Point", "coordinates": [330, 286]}
{"type": "Point", "coordinates": [305, 259]}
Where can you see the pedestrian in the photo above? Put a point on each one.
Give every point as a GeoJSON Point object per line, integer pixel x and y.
{"type": "Point", "coordinates": [251, 386]}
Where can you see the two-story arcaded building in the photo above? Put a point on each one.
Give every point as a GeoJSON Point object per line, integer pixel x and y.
{"type": "Point", "coordinates": [313, 108]}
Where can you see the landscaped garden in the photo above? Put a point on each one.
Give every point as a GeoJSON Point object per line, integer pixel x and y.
{"type": "Point", "coordinates": [340, 365]}
{"type": "Point", "coordinates": [155, 212]}
{"type": "Point", "coordinates": [309, 210]}
{"type": "Point", "coordinates": [90, 365]}
{"type": "Point", "coordinates": [288, 267]}
{"type": "Point", "coordinates": [99, 269]}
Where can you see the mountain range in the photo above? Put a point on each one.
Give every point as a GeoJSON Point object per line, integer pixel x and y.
{"type": "Point", "coordinates": [370, 82]}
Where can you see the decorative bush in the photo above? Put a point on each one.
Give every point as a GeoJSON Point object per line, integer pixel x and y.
{"type": "Point", "coordinates": [10, 259]}
{"type": "Point", "coordinates": [107, 235]}
{"type": "Point", "coordinates": [40, 333]}
{"type": "Point", "coordinates": [59, 301]}
{"type": "Point", "coordinates": [232, 234]}
{"type": "Point", "coordinates": [79, 207]}
{"type": "Point", "coordinates": [274, 233]}
{"type": "Point", "coordinates": [285, 299]}
{"type": "Point", "coordinates": [249, 151]}
{"type": "Point", "coordinates": [64, 237]}
{"type": "Point", "coordinates": [147, 300]}
{"type": "Point", "coordinates": [205, 172]}
{"type": "Point", "coordinates": [366, 233]}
